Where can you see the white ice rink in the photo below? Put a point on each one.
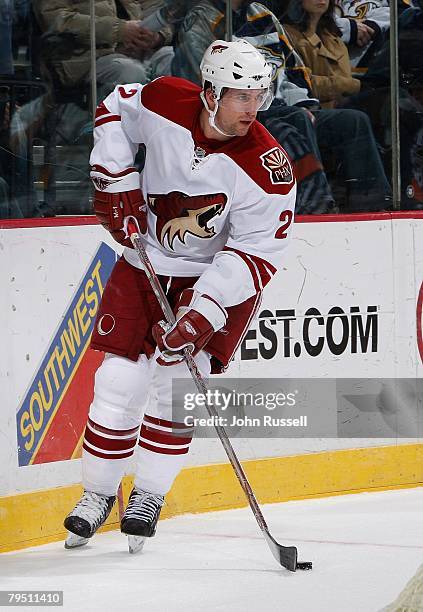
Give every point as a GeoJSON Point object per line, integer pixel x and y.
{"type": "Point", "coordinates": [364, 549]}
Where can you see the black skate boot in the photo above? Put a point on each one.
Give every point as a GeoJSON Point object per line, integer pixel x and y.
{"type": "Point", "coordinates": [142, 513]}
{"type": "Point", "coordinates": [88, 515]}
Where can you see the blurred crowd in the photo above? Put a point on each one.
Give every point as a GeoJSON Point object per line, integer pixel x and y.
{"type": "Point", "coordinates": [331, 74]}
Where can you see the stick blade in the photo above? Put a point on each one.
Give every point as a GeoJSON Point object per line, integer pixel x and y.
{"type": "Point", "coordinates": [286, 556]}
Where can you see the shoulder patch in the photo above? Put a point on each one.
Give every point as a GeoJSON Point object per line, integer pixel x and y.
{"type": "Point", "coordinates": [264, 160]}
{"type": "Point", "coordinates": [276, 162]}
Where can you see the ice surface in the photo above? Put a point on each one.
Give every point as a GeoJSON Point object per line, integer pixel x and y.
{"type": "Point", "coordinates": [364, 549]}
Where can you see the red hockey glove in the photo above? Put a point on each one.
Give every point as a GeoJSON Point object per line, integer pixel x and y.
{"type": "Point", "coordinates": [198, 318]}
{"type": "Point", "coordinates": [118, 196]}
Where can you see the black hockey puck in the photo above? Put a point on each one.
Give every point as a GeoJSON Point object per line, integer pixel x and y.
{"type": "Point", "coordinates": [304, 565]}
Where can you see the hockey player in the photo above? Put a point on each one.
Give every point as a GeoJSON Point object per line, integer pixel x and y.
{"type": "Point", "coordinates": [219, 197]}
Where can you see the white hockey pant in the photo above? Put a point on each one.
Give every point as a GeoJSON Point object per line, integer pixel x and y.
{"type": "Point", "coordinates": [129, 394]}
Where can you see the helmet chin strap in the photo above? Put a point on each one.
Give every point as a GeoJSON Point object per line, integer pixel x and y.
{"type": "Point", "coordinates": [212, 116]}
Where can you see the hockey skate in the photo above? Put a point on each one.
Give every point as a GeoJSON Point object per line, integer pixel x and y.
{"type": "Point", "coordinates": [140, 518]}
{"type": "Point", "coordinates": [88, 515]}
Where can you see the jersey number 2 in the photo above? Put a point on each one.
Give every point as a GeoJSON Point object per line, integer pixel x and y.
{"type": "Point", "coordinates": [286, 218]}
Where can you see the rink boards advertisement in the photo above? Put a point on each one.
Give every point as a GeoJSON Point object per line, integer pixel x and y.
{"type": "Point", "coordinates": [347, 303]}
{"type": "Point", "coordinates": [51, 418]}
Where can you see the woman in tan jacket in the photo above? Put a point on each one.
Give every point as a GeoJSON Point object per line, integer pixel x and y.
{"type": "Point", "coordinates": [343, 133]}
{"type": "Point", "coordinates": [315, 35]}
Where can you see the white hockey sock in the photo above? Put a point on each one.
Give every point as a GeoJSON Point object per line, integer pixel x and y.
{"type": "Point", "coordinates": [120, 396]}
{"type": "Point", "coordinates": [164, 444]}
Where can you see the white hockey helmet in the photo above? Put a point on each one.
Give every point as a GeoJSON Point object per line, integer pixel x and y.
{"type": "Point", "coordinates": [236, 65]}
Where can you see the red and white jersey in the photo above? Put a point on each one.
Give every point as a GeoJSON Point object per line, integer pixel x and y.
{"type": "Point", "coordinates": [222, 211]}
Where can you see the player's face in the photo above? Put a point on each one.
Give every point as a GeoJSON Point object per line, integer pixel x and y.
{"type": "Point", "coordinates": [238, 109]}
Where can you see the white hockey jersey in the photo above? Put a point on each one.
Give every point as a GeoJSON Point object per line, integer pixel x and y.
{"type": "Point", "coordinates": [374, 13]}
{"type": "Point", "coordinates": [222, 211]}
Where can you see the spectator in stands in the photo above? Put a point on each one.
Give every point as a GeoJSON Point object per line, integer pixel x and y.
{"type": "Point", "coordinates": [411, 103]}
{"type": "Point", "coordinates": [4, 125]}
{"type": "Point", "coordinates": [6, 20]}
{"type": "Point", "coordinates": [414, 188]}
{"type": "Point", "coordinates": [316, 37]}
{"type": "Point", "coordinates": [376, 86]}
{"type": "Point", "coordinates": [162, 13]}
{"type": "Point", "coordinates": [329, 133]}
{"type": "Point", "coordinates": [278, 7]}
{"type": "Point", "coordinates": [363, 27]}
{"type": "Point", "coordinates": [204, 23]}
{"type": "Point", "coordinates": [17, 195]}
{"type": "Point", "coordinates": [411, 13]}
{"type": "Point", "coordinates": [126, 51]}
{"type": "Point", "coordinates": [6, 69]}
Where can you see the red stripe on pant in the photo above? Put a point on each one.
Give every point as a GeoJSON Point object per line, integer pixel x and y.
{"type": "Point", "coordinates": [112, 432]}
{"type": "Point", "coordinates": [163, 450]}
{"type": "Point", "coordinates": [119, 444]}
{"type": "Point", "coordinates": [162, 437]}
{"type": "Point", "coordinates": [163, 423]}
{"type": "Point", "coordinates": [107, 444]}
{"type": "Point", "coordinates": [180, 438]}
{"type": "Point", "coordinates": [97, 453]}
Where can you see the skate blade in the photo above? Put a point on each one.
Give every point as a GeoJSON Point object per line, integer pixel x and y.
{"type": "Point", "coordinates": [74, 541]}
{"type": "Point", "coordinates": [136, 543]}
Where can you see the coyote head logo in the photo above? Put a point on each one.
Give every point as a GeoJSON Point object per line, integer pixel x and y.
{"type": "Point", "coordinates": [179, 214]}
{"type": "Point", "coordinates": [218, 49]}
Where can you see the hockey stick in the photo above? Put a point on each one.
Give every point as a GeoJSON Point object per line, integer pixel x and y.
{"type": "Point", "coordinates": [284, 555]}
